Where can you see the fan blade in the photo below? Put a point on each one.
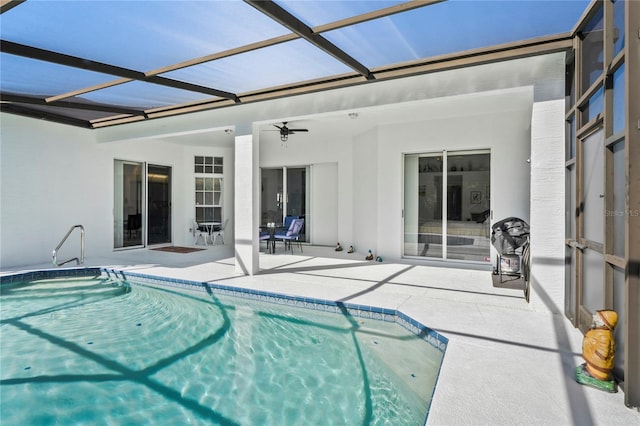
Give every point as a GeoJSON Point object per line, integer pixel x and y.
{"type": "Point", "coordinates": [298, 130]}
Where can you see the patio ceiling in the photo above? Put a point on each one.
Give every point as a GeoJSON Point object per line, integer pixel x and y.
{"type": "Point", "coordinates": [101, 63]}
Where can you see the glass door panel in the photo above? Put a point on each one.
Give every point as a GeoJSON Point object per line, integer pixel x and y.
{"type": "Point", "coordinates": [446, 205]}
{"type": "Point", "coordinates": [284, 192]}
{"type": "Point", "coordinates": [159, 204]}
{"type": "Point", "coordinates": [296, 200]}
{"type": "Point", "coordinates": [592, 281]}
{"type": "Point", "coordinates": [592, 277]}
{"type": "Point", "coordinates": [570, 251]}
{"type": "Point", "coordinates": [468, 199]}
{"type": "Point", "coordinates": [272, 196]}
{"type": "Point", "coordinates": [593, 187]}
{"type": "Point", "coordinates": [423, 205]}
{"type": "Point", "coordinates": [128, 196]}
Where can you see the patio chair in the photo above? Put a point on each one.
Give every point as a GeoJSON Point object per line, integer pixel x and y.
{"type": "Point", "coordinates": [292, 234]}
{"type": "Point", "coordinates": [200, 231]}
{"type": "Point", "coordinates": [265, 236]}
{"type": "Point", "coordinates": [219, 232]}
{"type": "Point", "coordinates": [287, 221]}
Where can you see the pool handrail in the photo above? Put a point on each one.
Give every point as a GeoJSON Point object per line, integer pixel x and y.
{"type": "Point", "coordinates": [80, 260]}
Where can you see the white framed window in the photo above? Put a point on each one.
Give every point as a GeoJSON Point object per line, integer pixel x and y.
{"type": "Point", "coordinates": [208, 165]}
{"type": "Point", "coordinates": [208, 189]}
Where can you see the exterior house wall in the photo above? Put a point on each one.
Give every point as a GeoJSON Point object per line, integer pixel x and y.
{"type": "Point", "coordinates": [505, 133]}
{"type": "Point", "coordinates": [56, 176]}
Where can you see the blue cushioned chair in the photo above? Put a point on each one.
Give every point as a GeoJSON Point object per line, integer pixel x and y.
{"type": "Point", "coordinates": [265, 236]}
{"type": "Point", "coordinates": [287, 221]}
{"type": "Point", "coordinates": [292, 234]}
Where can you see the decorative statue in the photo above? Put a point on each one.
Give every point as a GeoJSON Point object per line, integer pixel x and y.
{"type": "Point", "coordinates": [369, 255]}
{"type": "Point", "coordinates": [598, 350]}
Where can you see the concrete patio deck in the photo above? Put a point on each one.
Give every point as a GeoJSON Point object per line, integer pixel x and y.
{"type": "Point", "coordinates": [505, 364]}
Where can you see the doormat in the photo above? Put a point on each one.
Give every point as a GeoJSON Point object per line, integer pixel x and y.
{"type": "Point", "coordinates": [177, 249]}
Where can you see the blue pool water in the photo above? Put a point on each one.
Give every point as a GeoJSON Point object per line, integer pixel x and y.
{"type": "Point", "coordinates": [101, 351]}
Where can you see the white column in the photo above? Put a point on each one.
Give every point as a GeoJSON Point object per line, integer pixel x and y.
{"type": "Point", "coordinates": [246, 208]}
{"type": "Point", "coordinates": [547, 206]}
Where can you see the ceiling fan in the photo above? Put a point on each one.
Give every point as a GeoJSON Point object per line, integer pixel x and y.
{"type": "Point", "coordinates": [285, 131]}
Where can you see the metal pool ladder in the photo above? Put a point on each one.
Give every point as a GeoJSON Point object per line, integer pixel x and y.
{"type": "Point", "coordinates": [79, 260]}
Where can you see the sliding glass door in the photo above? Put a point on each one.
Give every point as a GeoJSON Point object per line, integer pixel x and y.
{"type": "Point", "coordinates": [285, 193]}
{"type": "Point", "coordinates": [142, 204]}
{"type": "Point", "coordinates": [447, 205]}
{"type": "Point", "coordinates": [159, 204]}
{"type": "Point", "coordinates": [128, 205]}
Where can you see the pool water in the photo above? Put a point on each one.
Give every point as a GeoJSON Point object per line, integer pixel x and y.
{"type": "Point", "coordinates": [96, 351]}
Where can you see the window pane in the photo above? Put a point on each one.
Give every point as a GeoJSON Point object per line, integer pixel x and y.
{"type": "Point", "coordinates": [423, 205]}
{"type": "Point", "coordinates": [571, 138]}
{"type": "Point", "coordinates": [570, 282]}
{"type": "Point", "coordinates": [199, 184]}
{"type": "Point", "coordinates": [217, 169]}
{"type": "Point", "coordinates": [208, 169]}
{"type": "Point", "coordinates": [618, 100]}
{"type": "Point", "coordinates": [216, 214]}
{"type": "Point", "coordinates": [208, 198]}
{"type": "Point", "coordinates": [208, 160]}
{"type": "Point", "coordinates": [593, 107]}
{"type": "Point", "coordinates": [217, 161]}
{"type": "Point", "coordinates": [570, 188]}
{"type": "Point", "coordinates": [592, 51]}
{"type": "Point", "coordinates": [199, 198]}
{"type": "Point", "coordinates": [208, 184]}
{"type": "Point", "coordinates": [618, 24]}
{"type": "Point", "coordinates": [217, 184]}
{"type": "Point", "coordinates": [619, 212]}
{"type": "Point", "coordinates": [216, 198]}
{"type": "Point", "coordinates": [619, 306]}
{"type": "Point", "coordinates": [198, 169]}
{"type": "Point", "coordinates": [468, 190]}
{"type": "Point", "coordinates": [593, 286]}
{"type": "Point", "coordinates": [199, 160]}
{"type": "Point", "coordinates": [570, 87]}
{"type": "Point", "coordinates": [593, 192]}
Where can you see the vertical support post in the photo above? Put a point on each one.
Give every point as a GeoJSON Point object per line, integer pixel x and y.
{"type": "Point", "coordinates": [246, 205]}
{"type": "Point", "coordinates": [547, 221]}
{"type": "Point", "coordinates": [632, 145]}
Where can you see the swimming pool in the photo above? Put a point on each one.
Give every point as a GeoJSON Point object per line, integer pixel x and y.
{"type": "Point", "coordinates": [101, 350]}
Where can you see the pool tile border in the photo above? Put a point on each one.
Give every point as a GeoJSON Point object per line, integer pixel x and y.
{"type": "Point", "coordinates": [432, 337]}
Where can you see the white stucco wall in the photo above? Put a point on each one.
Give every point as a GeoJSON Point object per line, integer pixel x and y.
{"type": "Point", "coordinates": [503, 128]}
{"type": "Point", "coordinates": [484, 107]}
{"type": "Point", "coordinates": [56, 176]}
{"type": "Point", "coordinates": [547, 205]}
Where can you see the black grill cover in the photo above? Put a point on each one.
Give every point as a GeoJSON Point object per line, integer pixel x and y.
{"type": "Point", "coordinates": [509, 234]}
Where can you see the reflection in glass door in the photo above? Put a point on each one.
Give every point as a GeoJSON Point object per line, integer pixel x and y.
{"type": "Point", "coordinates": [272, 196]}
{"type": "Point", "coordinates": [128, 196]}
{"type": "Point", "coordinates": [284, 193]}
{"type": "Point", "coordinates": [447, 205]}
{"type": "Point", "coordinates": [159, 204]}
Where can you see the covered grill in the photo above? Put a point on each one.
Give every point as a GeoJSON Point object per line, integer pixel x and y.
{"type": "Point", "coordinates": [509, 234]}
